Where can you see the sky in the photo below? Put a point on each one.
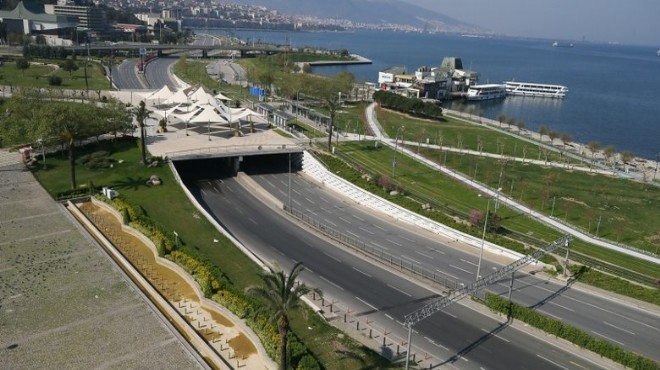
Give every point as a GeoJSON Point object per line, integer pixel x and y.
{"type": "Point", "coordinates": [623, 21]}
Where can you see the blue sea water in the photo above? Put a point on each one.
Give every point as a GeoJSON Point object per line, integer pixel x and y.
{"type": "Point", "coordinates": [614, 90]}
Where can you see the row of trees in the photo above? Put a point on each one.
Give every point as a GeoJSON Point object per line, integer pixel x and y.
{"type": "Point", "coordinates": [415, 107]}
{"type": "Point", "coordinates": [32, 116]}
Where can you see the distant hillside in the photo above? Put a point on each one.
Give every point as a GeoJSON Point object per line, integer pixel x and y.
{"type": "Point", "coordinates": [368, 11]}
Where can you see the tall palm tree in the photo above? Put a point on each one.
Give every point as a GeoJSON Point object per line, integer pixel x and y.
{"type": "Point", "coordinates": [282, 296]}
{"type": "Point", "coordinates": [141, 114]}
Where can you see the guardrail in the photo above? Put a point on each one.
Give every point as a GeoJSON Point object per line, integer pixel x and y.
{"type": "Point", "coordinates": [376, 253]}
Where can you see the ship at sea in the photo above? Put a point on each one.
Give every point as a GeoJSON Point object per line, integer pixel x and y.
{"type": "Point", "coordinates": [558, 44]}
{"type": "Point", "coordinates": [535, 89]}
{"type": "Point", "coordinates": [485, 92]}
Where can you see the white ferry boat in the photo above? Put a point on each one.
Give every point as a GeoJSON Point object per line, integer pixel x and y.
{"type": "Point", "coordinates": [535, 89]}
{"type": "Point", "coordinates": [486, 92]}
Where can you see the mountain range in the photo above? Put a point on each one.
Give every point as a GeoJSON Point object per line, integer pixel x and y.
{"type": "Point", "coordinates": [369, 11]}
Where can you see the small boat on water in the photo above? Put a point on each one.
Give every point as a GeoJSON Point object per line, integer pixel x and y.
{"type": "Point", "coordinates": [535, 89]}
{"type": "Point", "coordinates": [485, 92]}
{"type": "Point", "coordinates": [558, 44]}
{"type": "Point", "coordinates": [659, 53]}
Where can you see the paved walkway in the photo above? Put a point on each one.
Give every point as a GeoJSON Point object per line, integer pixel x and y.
{"type": "Point", "coordinates": [64, 304]}
{"type": "Point", "coordinates": [376, 128]}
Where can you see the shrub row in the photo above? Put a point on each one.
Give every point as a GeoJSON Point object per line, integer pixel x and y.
{"type": "Point", "coordinates": [614, 284]}
{"type": "Point", "coordinates": [216, 286]}
{"type": "Point", "coordinates": [570, 333]}
{"type": "Point", "coordinates": [412, 106]}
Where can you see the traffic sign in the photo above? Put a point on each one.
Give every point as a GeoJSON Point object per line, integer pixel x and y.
{"type": "Point", "coordinates": [143, 51]}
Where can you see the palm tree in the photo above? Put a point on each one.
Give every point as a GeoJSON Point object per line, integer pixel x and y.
{"type": "Point", "coordinates": [141, 114]}
{"type": "Point", "coordinates": [282, 296]}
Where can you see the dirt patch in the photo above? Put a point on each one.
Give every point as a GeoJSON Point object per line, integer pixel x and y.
{"type": "Point", "coordinates": [573, 200]}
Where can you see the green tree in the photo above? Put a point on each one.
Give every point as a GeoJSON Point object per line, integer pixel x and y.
{"type": "Point", "coordinates": [22, 64]}
{"type": "Point", "coordinates": [282, 295]}
{"type": "Point", "coordinates": [141, 114]}
{"type": "Point", "coordinates": [329, 90]}
{"type": "Point", "coordinates": [115, 118]}
{"type": "Point", "coordinates": [501, 118]}
{"type": "Point", "coordinates": [69, 66]}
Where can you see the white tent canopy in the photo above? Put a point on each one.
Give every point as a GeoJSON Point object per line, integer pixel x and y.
{"type": "Point", "coordinates": [180, 97]}
{"type": "Point", "coordinates": [201, 95]}
{"type": "Point", "coordinates": [161, 95]}
{"type": "Point", "coordinates": [219, 96]}
{"type": "Point", "coordinates": [208, 114]}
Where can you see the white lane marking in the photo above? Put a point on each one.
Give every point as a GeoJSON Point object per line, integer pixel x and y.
{"type": "Point", "coordinates": [356, 236]}
{"type": "Point", "coordinates": [410, 259]}
{"type": "Point", "coordinates": [450, 275]}
{"type": "Point", "coordinates": [357, 217]}
{"type": "Point", "coordinates": [296, 191]}
{"type": "Point", "coordinates": [458, 268]}
{"type": "Point", "coordinates": [230, 189]}
{"type": "Point", "coordinates": [389, 317]}
{"type": "Point", "coordinates": [365, 302]}
{"type": "Point", "coordinates": [333, 257]}
{"type": "Point", "coordinates": [399, 290]}
{"type": "Point", "coordinates": [564, 307]}
{"type": "Point", "coordinates": [270, 183]}
{"type": "Point", "coordinates": [330, 282]}
{"type": "Point", "coordinates": [253, 221]}
{"type": "Point", "coordinates": [552, 362]}
{"type": "Point", "coordinates": [470, 263]}
{"type": "Point", "coordinates": [379, 246]}
{"type": "Point", "coordinates": [406, 238]}
{"type": "Point", "coordinates": [297, 203]}
{"type": "Point", "coordinates": [424, 255]}
{"type": "Point", "coordinates": [608, 338]}
{"type": "Point", "coordinates": [436, 344]}
{"type": "Point", "coordinates": [616, 327]}
{"type": "Point", "coordinates": [393, 242]}
{"type": "Point", "coordinates": [439, 251]}
{"type": "Point", "coordinates": [330, 222]}
{"type": "Point", "coordinates": [379, 227]}
{"type": "Point", "coordinates": [323, 199]}
{"type": "Point", "coordinates": [309, 200]}
{"type": "Point", "coordinates": [362, 272]}
{"type": "Point", "coordinates": [450, 314]}
{"type": "Point", "coordinates": [367, 231]}
{"type": "Point", "coordinates": [345, 220]}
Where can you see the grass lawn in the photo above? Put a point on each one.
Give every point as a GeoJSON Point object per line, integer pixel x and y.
{"type": "Point", "coordinates": [168, 206]}
{"type": "Point", "coordinates": [455, 133]}
{"type": "Point", "coordinates": [443, 190]}
{"type": "Point", "coordinates": [37, 76]}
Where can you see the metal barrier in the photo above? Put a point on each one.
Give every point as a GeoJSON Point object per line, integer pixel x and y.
{"type": "Point", "coordinates": [377, 253]}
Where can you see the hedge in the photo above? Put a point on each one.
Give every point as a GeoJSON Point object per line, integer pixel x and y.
{"type": "Point", "coordinates": [570, 333]}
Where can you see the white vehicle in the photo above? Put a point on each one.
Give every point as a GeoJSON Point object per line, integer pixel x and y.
{"type": "Point", "coordinates": [486, 92]}
{"type": "Point", "coordinates": [535, 89]}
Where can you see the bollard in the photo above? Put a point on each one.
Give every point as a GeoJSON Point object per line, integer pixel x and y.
{"type": "Point", "coordinates": [397, 349]}
{"type": "Point", "coordinates": [322, 302]}
{"type": "Point", "coordinates": [413, 357]}
{"type": "Point", "coordinates": [358, 326]}
{"type": "Point", "coordinates": [344, 318]}
{"type": "Point", "coordinates": [384, 341]}
{"type": "Point", "coordinates": [330, 307]}
{"type": "Point", "coordinates": [370, 333]}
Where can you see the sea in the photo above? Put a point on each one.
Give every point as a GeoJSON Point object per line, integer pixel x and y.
{"type": "Point", "coordinates": [614, 89]}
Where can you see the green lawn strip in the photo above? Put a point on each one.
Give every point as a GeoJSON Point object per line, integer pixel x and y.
{"type": "Point", "coordinates": [306, 129]}
{"type": "Point", "coordinates": [311, 57]}
{"type": "Point", "coordinates": [194, 73]}
{"type": "Point", "coordinates": [449, 131]}
{"type": "Point", "coordinates": [579, 198]}
{"type": "Point", "coordinates": [460, 197]}
{"type": "Point", "coordinates": [170, 209]}
{"type": "Point", "coordinates": [570, 333]}
{"type": "Point", "coordinates": [37, 76]}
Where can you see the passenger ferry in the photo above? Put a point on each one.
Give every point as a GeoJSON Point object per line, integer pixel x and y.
{"type": "Point", "coordinates": [535, 89]}
{"type": "Point", "coordinates": [486, 92]}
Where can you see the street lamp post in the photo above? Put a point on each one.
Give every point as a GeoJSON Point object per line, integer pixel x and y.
{"type": "Point", "coordinates": [483, 240]}
{"type": "Point", "coordinates": [396, 142]}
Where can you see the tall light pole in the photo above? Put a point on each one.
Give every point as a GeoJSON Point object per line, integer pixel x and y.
{"type": "Point", "coordinates": [396, 142]}
{"type": "Point", "coordinates": [483, 240]}
{"type": "Point", "coordinates": [289, 181]}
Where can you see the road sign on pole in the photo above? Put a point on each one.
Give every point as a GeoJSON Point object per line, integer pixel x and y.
{"type": "Point", "coordinates": [143, 51]}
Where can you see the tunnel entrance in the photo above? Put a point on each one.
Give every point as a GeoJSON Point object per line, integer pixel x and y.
{"type": "Point", "coordinates": [226, 167]}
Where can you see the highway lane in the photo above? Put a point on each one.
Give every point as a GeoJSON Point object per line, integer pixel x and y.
{"type": "Point", "coordinates": [125, 77]}
{"type": "Point", "coordinates": [339, 272]}
{"type": "Point", "coordinates": [628, 326]}
{"type": "Point", "coordinates": [157, 73]}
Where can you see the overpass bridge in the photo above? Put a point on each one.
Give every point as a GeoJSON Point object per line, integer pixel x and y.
{"type": "Point", "coordinates": [160, 48]}
{"type": "Point", "coordinates": [230, 151]}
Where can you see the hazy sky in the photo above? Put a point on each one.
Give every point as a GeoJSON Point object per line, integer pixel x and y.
{"type": "Point", "coordinates": [624, 21]}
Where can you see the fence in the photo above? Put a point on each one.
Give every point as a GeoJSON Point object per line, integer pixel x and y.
{"type": "Point", "coordinates": [376, 253]}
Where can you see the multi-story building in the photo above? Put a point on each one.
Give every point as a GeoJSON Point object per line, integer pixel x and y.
{"type": "Point", "coordinates": [89, 18]}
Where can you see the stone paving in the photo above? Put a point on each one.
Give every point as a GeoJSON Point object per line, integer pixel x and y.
{"type": "Point", "coordinates": [63, 304]}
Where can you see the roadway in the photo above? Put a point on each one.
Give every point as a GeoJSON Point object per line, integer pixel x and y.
{"type": "Point", "coordinates": [623, 323]}
{"type": "Point", "coordinates": [125, 76]}
{"type": "Point", "coordinates": [157, 73]}
{"type": "Point", "coordinates": [460, 337]}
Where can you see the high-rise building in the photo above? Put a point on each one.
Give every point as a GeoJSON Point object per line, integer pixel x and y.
{"type": "Point", "coordinates": [91, 18]}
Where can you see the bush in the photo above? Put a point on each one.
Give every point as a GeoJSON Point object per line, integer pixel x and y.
{"type": "Point", "coordinates": [54, 80]}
